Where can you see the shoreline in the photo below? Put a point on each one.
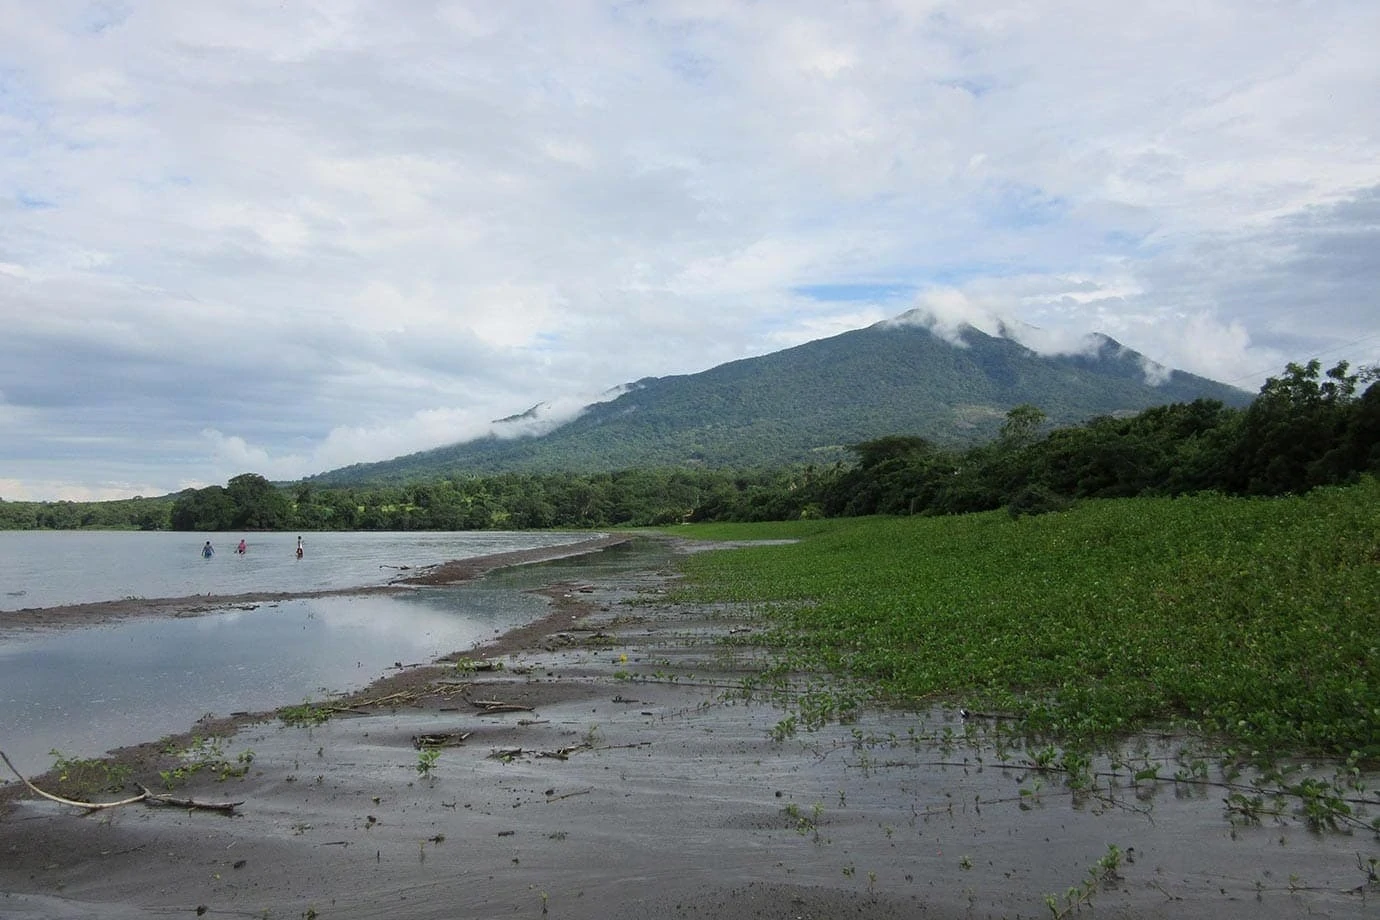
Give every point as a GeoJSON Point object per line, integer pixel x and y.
{"type": "Point", "coordinates": [610, 761]}
{"type": "Point", "coordinates": [150, 754]}
{"type": "Point", "coordinates": [28, 619]}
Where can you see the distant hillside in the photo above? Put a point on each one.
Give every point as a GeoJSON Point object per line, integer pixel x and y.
{"type": "Point", "coordinates": [808, 403]}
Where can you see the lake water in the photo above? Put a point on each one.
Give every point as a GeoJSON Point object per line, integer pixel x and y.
{"type": "Point", "coordinates": [52, 568]}
{"type": "Point", "coordinates": [85, 690]}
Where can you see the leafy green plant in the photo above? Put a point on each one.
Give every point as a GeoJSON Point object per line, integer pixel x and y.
{"type": "Point", "coordinates": [1105, 871]}
{"type": "Point", "coordinates": [1321, 805]}
{"type": "Point", "coordinates": [786, 728]}
{"type": "Point", "coordinates": [426, 760]}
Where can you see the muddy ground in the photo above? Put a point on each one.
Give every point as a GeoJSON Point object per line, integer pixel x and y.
{"type": "Point", "coordinates": [626, 775]}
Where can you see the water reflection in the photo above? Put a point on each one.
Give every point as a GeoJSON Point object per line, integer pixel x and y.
{"type": "Point", "coordinates": [85, 691]}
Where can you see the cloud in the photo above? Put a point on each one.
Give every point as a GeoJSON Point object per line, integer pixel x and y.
{"type": "Point", "coordinates": [344, 445]}
{"type": "Point", "coordinates": [325, 232]}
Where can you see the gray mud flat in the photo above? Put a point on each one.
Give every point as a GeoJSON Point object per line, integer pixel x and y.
{"type": "Point", "coordinates": [638, 783]}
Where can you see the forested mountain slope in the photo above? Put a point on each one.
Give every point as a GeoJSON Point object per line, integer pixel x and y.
{"type": "Point", "coordinates": [808, 403]}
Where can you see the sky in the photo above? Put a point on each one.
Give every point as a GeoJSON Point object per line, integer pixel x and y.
{"type": "Point", "coordinates": [284, 237]}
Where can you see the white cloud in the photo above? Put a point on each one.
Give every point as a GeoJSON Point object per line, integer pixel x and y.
{"type": "Point", "coordinates": [326, 232]}
{"type": "Point", "coordinates": [35, 490]}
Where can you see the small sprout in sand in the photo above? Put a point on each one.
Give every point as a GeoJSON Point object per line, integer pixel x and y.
{"type": "Point", "coordinates": [426, 760]}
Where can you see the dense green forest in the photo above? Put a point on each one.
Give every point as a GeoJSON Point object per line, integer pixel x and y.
{"type": "Point", "coordinates": [1305, 428]}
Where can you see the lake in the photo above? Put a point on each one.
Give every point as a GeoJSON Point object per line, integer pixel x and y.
{"type": "Point", "coordinates": [85, 690]}
{"type": "Point", "coordinates": [52, 568]}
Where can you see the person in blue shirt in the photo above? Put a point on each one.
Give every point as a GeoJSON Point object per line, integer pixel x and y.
{"type": "Point", "coordinates": [208, 550]}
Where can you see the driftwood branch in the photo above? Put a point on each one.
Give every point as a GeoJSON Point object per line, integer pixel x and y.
{"type": "Point", "coordinates": [145, 796]}
{"type": "Point", "coordinates": [89, 806]}
{"type": "Point", "coordinates": [511, 753]}
{"type": "Point", "coordinates": [152, 798]}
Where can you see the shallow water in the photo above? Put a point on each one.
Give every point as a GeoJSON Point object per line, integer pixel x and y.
{"type": "Point", "coordinates": [53, 568]}
{"type": "Point", "coordinates": [83, 691]}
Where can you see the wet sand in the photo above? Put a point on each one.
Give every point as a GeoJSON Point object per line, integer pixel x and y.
{"type": "Point", "coordinates": [627, 775]}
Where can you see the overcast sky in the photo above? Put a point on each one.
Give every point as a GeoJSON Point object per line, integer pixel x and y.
{"type": "Point", "coordinates": [282, 237]}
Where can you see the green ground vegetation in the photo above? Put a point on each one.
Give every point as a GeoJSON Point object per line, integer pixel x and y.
{"type": "Point", "coordinates": [1256, 619]}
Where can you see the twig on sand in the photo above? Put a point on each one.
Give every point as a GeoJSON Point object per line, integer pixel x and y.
{"type": "Point", "coordinates": [151, 798]}
{"type": "Point", "coordinates": [409, 696]}
{"type": "Point", "coordinates": [439, 739]}
{"type": "Point", "coordinates": [563, 753]}
{"type": "Point", "coordinates": [500, 706]}
{"type": "Point", "coordinates": [511, 753]}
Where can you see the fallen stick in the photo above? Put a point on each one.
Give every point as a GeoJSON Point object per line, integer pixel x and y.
{"type": "Point", "coordinates": [150, 798]}
{"type": "Point", "coordinates": [439, 739]}
{"type": "Point", "coordinates": [563, 753]}
{"type": "Point", "coordinates": [500, 706]}
{"type": "Point", "coordinates": [89, 806]}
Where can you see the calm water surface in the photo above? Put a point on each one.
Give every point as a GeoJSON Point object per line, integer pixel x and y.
{"type": "Point", "coordinates": [86, 690]}
{"type": "Point", "coordinates": [52, 568]}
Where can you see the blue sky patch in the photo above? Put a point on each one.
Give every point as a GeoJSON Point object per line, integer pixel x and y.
{"type": "Point", "coordinates": [33, 202]}
{"type": "Point", "coordinates": [831, 293]}
{"type": "Point", "coordinates": [1025, 206]}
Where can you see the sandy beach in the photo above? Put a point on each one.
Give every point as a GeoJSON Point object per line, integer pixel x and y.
{"type": "Point", "coordinates": [605, 762]}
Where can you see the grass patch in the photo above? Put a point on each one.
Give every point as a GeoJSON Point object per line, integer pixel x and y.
{"type": "Point", "coordinates": [83, 778]}
{"type": "Point", "coordinates": [1255, 618]}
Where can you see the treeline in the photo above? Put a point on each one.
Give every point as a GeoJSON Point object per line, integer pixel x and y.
{"type": "Point", "coordinates": [1305, 428]}
{"type": "Point", "coordinates": [125, 514]}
